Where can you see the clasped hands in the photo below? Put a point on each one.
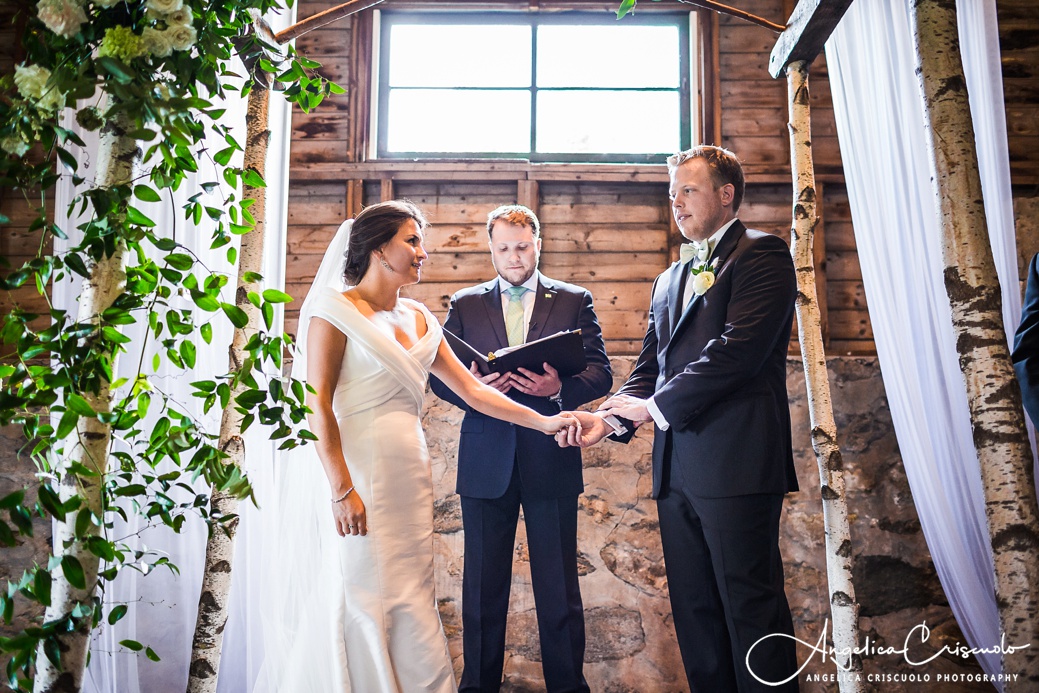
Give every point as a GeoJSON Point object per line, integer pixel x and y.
{"type": "Point", "coordinates": [590, 427]}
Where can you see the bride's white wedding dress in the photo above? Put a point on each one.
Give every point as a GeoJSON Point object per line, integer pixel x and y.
{"type": "Point", "coordinates": [371, 624]}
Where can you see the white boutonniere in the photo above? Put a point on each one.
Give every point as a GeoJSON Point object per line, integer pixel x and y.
{"type": "Point", "coordinates": [703, 275]}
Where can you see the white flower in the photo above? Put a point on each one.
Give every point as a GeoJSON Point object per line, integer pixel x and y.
{"type": "Point", "coordinates": [181, 16]}
{"type": "Point", "coordinates": [182, 36]}
{"type": "Point", "coordinates": [31, 81]}
{"type": "Point", "coordinates": [63, 17]}
{"type": "Point", "coordinates": [14, 144]}
{"type": "Point", "coordinates": [164, 6]}
{"type": "Point", "coordinates": [107, 3]}
{"type": "Point", "coordinates": [702, 282]}
{"type": "Point", "coordinates": [156, 42]}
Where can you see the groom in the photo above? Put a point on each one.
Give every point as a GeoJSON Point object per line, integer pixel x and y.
{"type": "Point", "coordinates": [502, 467]}
{"type": "Point", "coordinates": [712, 378]}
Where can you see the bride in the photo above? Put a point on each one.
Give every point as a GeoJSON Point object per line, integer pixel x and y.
{"type": "Point", "coordinates": [351, 604]}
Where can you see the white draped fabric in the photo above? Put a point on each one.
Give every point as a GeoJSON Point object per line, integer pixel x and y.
{"type": "Point", "coordinates": [163, 604]}
{"type": "Point", "coordinates": [880, 124]}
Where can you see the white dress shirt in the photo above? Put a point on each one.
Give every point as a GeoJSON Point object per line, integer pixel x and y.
{"type": "Point", "coordinates": [527, 298]}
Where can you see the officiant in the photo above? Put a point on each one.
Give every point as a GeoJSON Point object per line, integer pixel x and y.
{"type": "Point", "coordinates": [502, 468]}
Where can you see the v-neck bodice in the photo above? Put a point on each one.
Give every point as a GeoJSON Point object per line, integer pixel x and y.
{"type": "Point", "coordinates": [376, 367]}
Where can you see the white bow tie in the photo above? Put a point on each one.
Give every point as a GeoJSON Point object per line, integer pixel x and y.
{"type": "Point", "coordinates": [700, 250]}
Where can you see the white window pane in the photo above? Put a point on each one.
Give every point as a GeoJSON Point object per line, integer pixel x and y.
{"type": "Point", "coordinates": [608, 56]}
{"type": "Point", "coordinates": [435, 120]}
{"type": "Point", "coordinates": [472, 55]}
{"type": "Point", "coordinates": [608, 121]}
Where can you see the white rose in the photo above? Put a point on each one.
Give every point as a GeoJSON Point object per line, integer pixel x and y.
{"type": "Point", "coordinates": [702, 282]}
{"type": "Point", "coordinates": [14, 144]}
{"type": "Point", "coordinates": [31, 81]}
{"type": "Point", "coordinates": [181, 16]}
{"type": "Point", "coordinates": [156, 42]}
{"type": "Point", "coordinates": [164, 6]}
{"type": "Point", "coordinates": [63, 17]}
{"type": "Point", "coordinates": [182, 36]}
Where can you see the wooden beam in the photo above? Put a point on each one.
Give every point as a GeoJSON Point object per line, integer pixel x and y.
{"type": "Point", "coordinates": [711, 81]}
{"type": "Point", "coordinates": [386, 190]}
{"type": "Point", "coordinates": [527, 194]}
{"type": "Point", "coordinates": [359, 88]}
{"type": "Point", "coordinates": [354, 197]}
{"type": "Point", "coordinates": [806, 32]}
{"type": "Point", "coordinates": [322, 18]}
{"type": "Point", "coordinates": [735, 12]}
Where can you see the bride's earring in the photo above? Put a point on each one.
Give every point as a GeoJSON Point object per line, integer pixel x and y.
{"type": "Point", "coordinates": [385, 264]}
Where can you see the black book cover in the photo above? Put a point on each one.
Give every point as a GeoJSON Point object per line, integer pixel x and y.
{"type": "Point", "coordinates": [564, 351]}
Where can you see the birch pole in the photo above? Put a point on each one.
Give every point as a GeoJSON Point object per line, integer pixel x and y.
{"type": "Point", "coordinates": [216, 571]}
{"type": "Point", "coordinates": [87, 446]}
{"type": "Point", "coordinates": [993, 397]}
{"type": "Point", "coordinates": [844, 610]}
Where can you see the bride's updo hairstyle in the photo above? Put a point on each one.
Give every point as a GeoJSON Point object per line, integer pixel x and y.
{"type": "Point", "coordinates": [373, 228]}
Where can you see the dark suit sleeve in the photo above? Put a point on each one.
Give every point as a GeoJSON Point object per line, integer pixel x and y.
{"type": "Point", "coordinates": [452, 324]}
{"type": "Point", "coordinates": [758, 314]}
{"type": "Point", "coordinates": [597, 378]}
{"type": "Point", "coordinates": [1026, 344]}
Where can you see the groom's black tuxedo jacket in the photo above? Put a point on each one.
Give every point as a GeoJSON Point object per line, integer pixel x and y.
{"type": "Point", "coordinates": [717, 370]}
{"type": "Point", "coordinates": [489, 448]}
{"type": "Point", "coordinates": [1026, 344]}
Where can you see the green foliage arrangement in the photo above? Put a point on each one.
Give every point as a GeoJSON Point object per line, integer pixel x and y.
{"type": "Point", "coordinates": [153, 72]}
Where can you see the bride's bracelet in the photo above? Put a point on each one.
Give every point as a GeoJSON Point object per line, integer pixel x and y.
{"type": "Point", "coordinates": [343, 497]}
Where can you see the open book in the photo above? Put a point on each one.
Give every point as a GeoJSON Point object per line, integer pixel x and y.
{"type": "Point", "coordinates": [564, 351]}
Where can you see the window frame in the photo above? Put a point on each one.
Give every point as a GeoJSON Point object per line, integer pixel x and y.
{"type": "Point", "coordinates": [381, 90]}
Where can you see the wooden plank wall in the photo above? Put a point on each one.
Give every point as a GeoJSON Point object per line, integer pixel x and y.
{"type": "Point", "coordinates": [1019, 48]}
{"type": "Point", "coordinates": [609, 236]}
{"type": "Point", "coordinates": [17, 243]}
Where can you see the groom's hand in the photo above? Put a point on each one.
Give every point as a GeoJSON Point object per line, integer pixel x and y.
{"type": "Point", "coordinates": [592, 430]}
{"type": "Point", "coordinates": [530, 383]}
{"type": "Point", "coordinates": [500, 382]}
{"type": "Point", "coordinates": [627, 407]}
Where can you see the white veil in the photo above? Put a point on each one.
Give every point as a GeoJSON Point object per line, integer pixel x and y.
{"type": "Point", "coordinates": [329, 275]}
{"type": "Point", "coordinates": [293, 521]}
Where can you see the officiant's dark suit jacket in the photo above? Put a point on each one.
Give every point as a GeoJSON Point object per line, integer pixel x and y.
{"type": "Point", "coordinates": [488, 447]}
{"type": "Point", "coordinates": [502, 467]}
{"type": "Point", "coordinates": [717, 372]}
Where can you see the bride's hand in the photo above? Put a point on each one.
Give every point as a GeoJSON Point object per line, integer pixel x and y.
{"type": "Point", "coordinates": [350, 516]}
{"type": "Point", "coordinates": [554, 424]}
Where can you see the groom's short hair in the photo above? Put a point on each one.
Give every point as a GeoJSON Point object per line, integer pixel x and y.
{"type": "Point", "coordinates": [514, 214]}
{"type": "Point", "coordinates": [725, 168]}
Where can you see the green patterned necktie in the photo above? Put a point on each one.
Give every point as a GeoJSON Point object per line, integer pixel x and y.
{"type": "Point", "coordinates": [514, 315]}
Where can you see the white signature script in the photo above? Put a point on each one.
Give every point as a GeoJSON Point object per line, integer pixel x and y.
{"type": "Point", "coordinates": [843, 657]}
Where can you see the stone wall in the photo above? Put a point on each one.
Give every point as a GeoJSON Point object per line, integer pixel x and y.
{"type": "Point", "coordinates": [631, 643]}
{"type": "Point", "coordinates": [17, 471]}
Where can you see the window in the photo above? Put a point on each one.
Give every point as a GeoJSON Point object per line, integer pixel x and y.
{"type": "Point", "coordinates": [552, 87]}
